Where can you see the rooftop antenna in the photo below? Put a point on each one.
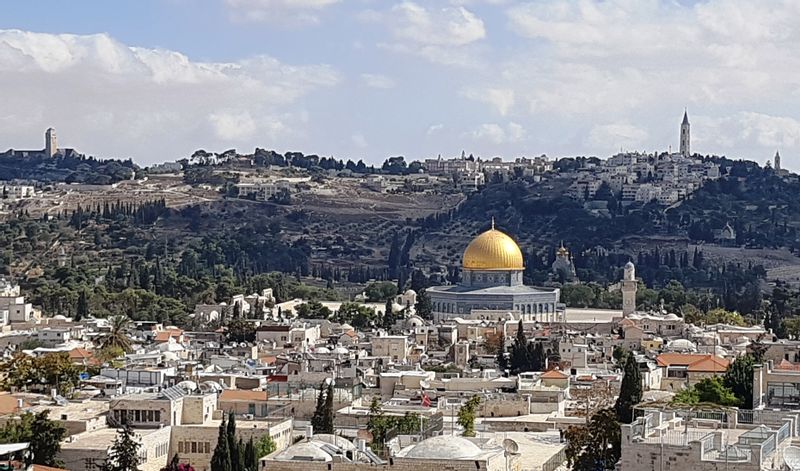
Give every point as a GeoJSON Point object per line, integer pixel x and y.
{"type": "Point", "coordinates": [492, 222]}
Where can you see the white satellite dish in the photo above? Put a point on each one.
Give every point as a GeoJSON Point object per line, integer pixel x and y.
{"type": "Point", "coordinates": [791, 456]}
{"type": "Point", "coordinates": [511, 447]}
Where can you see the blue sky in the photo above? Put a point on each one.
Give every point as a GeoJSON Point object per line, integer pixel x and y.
{"type": "Point", "coordinates": [366, 79]}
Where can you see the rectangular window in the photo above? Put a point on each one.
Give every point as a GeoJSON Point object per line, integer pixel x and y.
{"type": "Point", "coordinates": [207, 447]}
{"type": "Point", "coordinates": [194, 447]}
{"type": "Point", "coordinates": [158, 416]}
{"type": "Point", "coordinates": [180, 447]}
{"type": "Point", "coordinates": [137, 415]}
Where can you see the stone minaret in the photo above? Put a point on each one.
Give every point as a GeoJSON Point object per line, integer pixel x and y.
{"type": "Point", "coordinates": [777, 165]}
{"type": "Point", "coordinates": [629, 290]}
{"type": "Point", "coordinates": [50, 143]}
{"type": "Point", "coordinates": [685, 150]}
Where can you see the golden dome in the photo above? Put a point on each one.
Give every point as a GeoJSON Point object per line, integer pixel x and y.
{"type": "Point", "coordinates": [493, 250]}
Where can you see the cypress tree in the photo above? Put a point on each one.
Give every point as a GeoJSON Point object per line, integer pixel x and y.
{"type": "Point", "coordinates": [328, 410]}
{"type": "Point", "coordinates": [630, 392]}
{"type": "Point", "coordinates": [502, 361]}
{"type": "Point", "coordinates": [250, 456]}
{"type": "Point", "coordinates": [82, 310]}
{"type": "Point", "coordinates": [233, 444]}
{"type": "Point", "coordinates": [221, 459]}
{"type": "Point", "coordinates": [319, 412]}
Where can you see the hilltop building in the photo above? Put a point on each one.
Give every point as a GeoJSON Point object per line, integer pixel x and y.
{"type": "Point", "coordinates": [50, 150]}
{"type": "Point", "coordinates": [562, 267]}
{"type": "Point", "coordinates": [492, 281]}
{"type": "Point", "coordinates": [777, 165]}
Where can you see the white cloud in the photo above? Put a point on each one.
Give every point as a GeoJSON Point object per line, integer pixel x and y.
{"type": "Point", "coordinates": [502, 99]}
{"type": "Point", "coordinates": [434, 129]}
{"type": "Point", "coordinates": [378, 81]}
{"type": "Point", "coordinates": [610, 138]}
{"type": "Point", "coordinates": [294, 11]}
{"type": "Point", "coordinates": [110, 99]}
{"type": "Point", "coordinates": [497, 134]}
{"type": "Point", "coordinates": [359, 141]}
{"type": "Point", "coordinates": [443, 35]}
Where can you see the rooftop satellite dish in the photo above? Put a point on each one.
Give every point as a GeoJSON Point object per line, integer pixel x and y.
{"type": "Point", "coordinates": [511, 447]}
{"type": "Point", "coordinates": [791, 456]}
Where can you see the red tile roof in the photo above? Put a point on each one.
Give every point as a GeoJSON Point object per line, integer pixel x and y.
{"type": "Point", "coordinates": [554, 374]}
{"type": "Point", "coordinates": [700, 363]}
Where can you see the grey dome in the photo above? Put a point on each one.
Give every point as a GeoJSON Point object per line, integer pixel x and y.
{"type": "Point", "coordinates": [444, 447]}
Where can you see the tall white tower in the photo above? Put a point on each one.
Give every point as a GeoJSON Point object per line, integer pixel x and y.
{"type": "Point", "coordinates": [628, 290]}
{"type": "Point", "coordinates": [777, 165]}
{"type": "Point", "coordinates": [50, 143]}
{"type": "Point", "coordinates": [685, 150]}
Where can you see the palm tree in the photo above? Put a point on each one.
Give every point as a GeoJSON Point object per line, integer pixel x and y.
{"type": "Point", "coordinates": [117, 338]}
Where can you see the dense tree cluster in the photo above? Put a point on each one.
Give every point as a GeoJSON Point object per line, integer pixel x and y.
{"type": "Point", "coordinates": [231, 453]}
{"type": "Point", "coordinates": [43, 434]}
{"type": "Point", "coordinates": [68, 168]}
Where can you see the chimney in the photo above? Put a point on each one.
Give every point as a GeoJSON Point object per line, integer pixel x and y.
{"type": "Point", "coordinates": [309, 432]}
{"type": "Point", "coordinates": [20, 404]}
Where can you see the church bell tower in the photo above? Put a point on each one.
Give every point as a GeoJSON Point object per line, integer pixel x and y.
{"type": "Point", "coordinates": [629, 290]}
{"type": "Point", "coordinates": [685, 136]}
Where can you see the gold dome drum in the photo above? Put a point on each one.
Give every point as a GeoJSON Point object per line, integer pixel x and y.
{"type": "Point", "coordinates": [493, 250]}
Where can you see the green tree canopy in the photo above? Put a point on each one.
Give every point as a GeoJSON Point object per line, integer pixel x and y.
{"type": "Point", "coordinates": [708, 390]}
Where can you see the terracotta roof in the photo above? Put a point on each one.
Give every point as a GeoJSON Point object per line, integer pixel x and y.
{"type": "Point", "coordinates": [554, 374]}
{"type": "Point", "coordinates": [242, 395]}
{"type": "Point", "coordinates": [80, 354]}
{"type": "Point", "coordinates": [268, 359]}
{"type": "Point", "coordinates": [8, 404]}
{"type": "Point", "coordinates": [787, 365]}
{"type": "Point", "coordinates": [350, 333]}
{"type": "Point", "coordinates": [165, 335]}
{"type": "Point", "coordinates": [694, 362]}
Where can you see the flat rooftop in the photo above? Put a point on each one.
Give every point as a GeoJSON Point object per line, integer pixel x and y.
{"type": "Point", "coordinates": [99, 439]}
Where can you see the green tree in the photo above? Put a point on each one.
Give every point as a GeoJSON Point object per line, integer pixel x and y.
{"type": "Point", "coordinates": [221, 459]}
{"type": "Point", "coordinates": [380, 291]}
{"type": "Point", "coordinates": [596, 446]}
{"type": "Point", "coordinates": [328, 413]}
{"type": "Point", "coordinates": [501, 355]}
{"type": "Point", "coordinates": [43, 434]}
{"type": "Point", "coordinates": [466, 415]}
{"type": "Point", "coordinates": [322, 420]}
{"type": "Point", "coordinates": [117, 337]}
{"type": "Point", "coordinates": [82, 309]}
{"type": "Point", "coordinates": [388, 315]}
{"type": "Point", "coordinates": [630, 392]}
{"type": "Point", "coordinates": [318, 419]}
{"type": "Point", "coordinates": [708, 390]}
{"type": "Point", "coordinates": [124, 454]}
{"type": "Point", "coordinates": [265, 446]}
{"type": "Point", "coordinates": [233, 444]}
{"type": "Point", "coordinates": [250, 456]}
{"type": "Point", "coordinates": [424, 307]}
{"type": "Point", "coordinates": [739, 379]}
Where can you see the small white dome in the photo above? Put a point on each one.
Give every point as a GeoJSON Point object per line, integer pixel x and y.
{"type": "Point", "coordinates": [444, 447]}
{"type": "Point", "coordinates": [341, 351]}
{"type": "Point", "coordinates": [304, 451]}
{"type": "Point", "coordinates": [336, 440]}
{"type": "Point", "coordinates": [323, 350]}
{"type": "Point", "coordinates": [346, 327]}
